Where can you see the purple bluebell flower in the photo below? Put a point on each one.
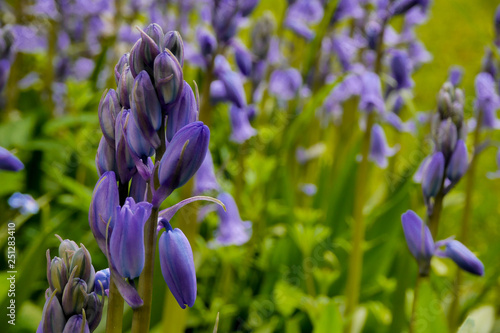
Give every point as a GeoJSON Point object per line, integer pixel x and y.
{"type": "Point", "coordinates": [458, 163]}
{"type": "Point", "coordinates": [419, 238]}
{"type": "Point", "coordinates": [207, 42]}
{"type": "Point", "coordinates": [145, 50]}
{"type": "Point", "coordinates": [173, 41]}
{"type": "Point", "coordinates": [401, 70]}
{"type": "Point", "coordinates": [182, 112]}
{"type": "Point", "coordinates": [455, 75]}
{"type": "Point", "coordinates": [285, 83]}
{"type": "Point", "coordinates": [103, 206]}
{"type": "Point", "coordinates": [146, 108]}
{"type": "Point", "coordinates": [9, 162]}
{"type": "Point", "coordinates": [241, 128]}
{"type": "Point", "coordinates": [182, 158]}
{"type": "Point", "coordinates": [309, 11]}
{"type": "Point", "coordinates": [109, 107]}
{"type": "Point", "coordinates": [447, 136]}
{"type": "Point", "coordinates": [346, 49]}
{"type": "Point", "coordinates": [168, 77]}
{"type": "Point", "coordinates": [76, 323]}
{"type": "Point", "coordinates": [487, 100]}
{"type": "Point", "coordinates": [24, 202]}
{"type": "Point", "coordinates": [243, 58]}
{"type": "Point", "coordinates": [120, 65]}
{"type": "Point", "coordinates": [347, 9]}
{"type": "Point", "coordinates": [371, 94]}
{"type": "Point", "coordinates": [233, 85]}
{"type": "Point", "coordinates": [101, 283]}
{"type": "Point", "coordinates": [463, 257]}
{"type": "Point", "coordinates": [125, 86]}
{"type": "Point", "coordinates": [247, 6]}
{"type": "Point", "coordinates": [124, 160]}
{"type": "Point", "coordinates": [53, 319]}
{"type": "Point", "coordinates": [218, 91]}
{"type": "Point", "coordinates": [28, 39]}
{"type": "Point", "coordinates": [399, 7]}
{"type": "Point", "coordinates": [225, 18]}
{"type": "Point", "coordinates": [232, 230]}
{"type": "Point", "coordinates": [372, 30]}
{"type": "Point", "coordinates": [204, 179]}
{"type": "Point", "coordinates": [105, 158]}
{"type": "Point", "coordinates": [137, 143]}
{"type": "Point", "coordinates": [379, 149]}
{"type": "Point", "coordinates": [300, 27]}
{"type": "Point", "coordinates": [177, 265]}
{"type": "Point", "coordinates": [126, 243]}
{"type": "Point", "coordinates": [432, 175]}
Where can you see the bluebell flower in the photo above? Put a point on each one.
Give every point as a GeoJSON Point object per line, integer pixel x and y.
{"type": "Point", "coordinates": [182, 112]}
{"type": "Point", "coordinates": [24, 202]}
{"type": "Point", "coordinates": [371, 94]}
{"type": "Point", "coordinates": [105, 159]}
{"type": "Point", "coordinates": [232, 230]}
{"type": "Point", "coordinates": [101, 283]}
{"type": "Point", "coordinates": [347, 9]}
{"type": "Point", "coordinates": [432, 175]}
{"type": "Point", "coordinates": [463, 257]}
{"type": "Point", "coordinates": [241, 128]}
{"type": "Point", "coordinates": [243, 57]}
{"type": "Point", "coordinates": [459, 162]}
{"type": "Point", "coordinates": [379, 149]}
{"type": "Point", "coordinates": [455, 75]}
{"type": "Point", "coordinates": [9, 162]}
{"type": "Point", "coordinates": [76, 323]}
{"type": "Point", "coordinates": [125, 161]}
{"type": "Point", "coordinates": [109, 107]}
{"type": "Point", "coordinates": [418, 53]}
{"type": "Point", "coordinates": [487, 100]}
{"type": "Point", "coordinates": [285, 83]}
{"type": "Point", "coordinates": [401, 70]}
{"type": "Point", "coordinates": [204, 179]}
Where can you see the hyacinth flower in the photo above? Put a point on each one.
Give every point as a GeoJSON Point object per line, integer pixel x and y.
{"type": "Point", "coordinates": [72, 303]}
{"type": "Point", "coordinates": [371, 94]}
{"type": "Point", "coordinates": [232, 230]}
{"type": "Point", "coordinates": [24, 202]}
{"type": "Point", "coordinates": [9, 162]}
{"type": "Point", "coordinates": [379, 149]}
{"type": "Point", "coordinates": [422, 246]}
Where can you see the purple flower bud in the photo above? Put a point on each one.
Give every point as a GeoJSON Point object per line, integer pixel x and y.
{"type": "Point", "coordinates": [177, 265]}
{"type": "Point", "coordinates": [53, 319]}
{"type": "Point", "coordinates": [207, 41]}
{"type": "Point", "coordinates": [458, 163]}
{"type": "Point", "coordinates": [232, 230]}
{"type": "Point", "coordinates": [9, 162]}
{"type": "Point", "coordinates": [155, 32]}
{"type": "Point", "coordinates": [24, 202]}
{"type": "Point", "coordinates": [120, 66]}
{"type": "Point", "coordinates": [173, 41]}
{"type": "Point", "coordinates": [496, 24]}
{"type": "Point", "coordinates": [146, 108]}
{"type": "Point", "coordinates": [487, 100]}
{"type": "Point", "coordinates": [446, 138]}
{"type": "Point", "coordinates": [285, 84]}
{"type": "Point", "coordinates": [137, 143]}
{"type": "Point", "coordinates": [241, 128]}
{"type": "Point", "coordinates": [124, 159]}
{"type": "Point", "coordinates": [102, 277]}
{"type": "Point", "coordinates": [81, 264]}
{"type": "Point", "coordinates": [125, 87]}
{"type": "Point", "coordinates": [401, 70]}
{"type": "Point", "coordinates": [168, 77]}
{"type": "Point", "coordinates": [109, 107]}
{"type": "Point", "coordinates": [347, 9]}
{"type": "Point", "coordinates": [379, 149]}
{"type": "Point", "coordinates": [93, 310]}
{"type": "Point", "coordinates": [57, 275]}
{"type": "Point", "coordinates": [262, 35]}
{"type": "Point", "coordinates": [144, 52]}
{"type": "Point", "coordinates": [243, 58]}
{"type": "Point", "coordinates": [182, 112]}
{"type": "Point", "coordinates": [102, 210]}
{"type": "Point", "coordinates": [126, 244]}
{"type": "Point", "coordinates": [432, 175]}
{"type": "Point", "coordinates": [418, 54]}
{"type": "Point", "coordinates": [455, 75]}
{"type": "Point", "coordinates": [225, 19]}
{"type": "Point", "coordinates": [400, 7]}
{"type": "Point", "coordinates": [66, 250]}
{"type": "Point", "coordinates": [74, 295]}
{"type": "Point", "coordinates": [464, 258]}
{"type": "Point", "coordinates": [182, 158]}
{"type": "Point", "coordinates": [371, 94]}
{"type": "Point", "coordinates": [217, 92]}
{"type": "Point", "coordinates": [300, 28]}
{"type": "Point", "coordinates": [372, 30]}
{"type": "Point", "coordinates": [419, 239]}
{"type": "Point", "coordinates": [233, 84]}
{"type": "Point", "coordinates": [105, 157]}
{"type": "Point", "coordinates": [204, 179]}
{"type": "Point", "coordinates": [309, 11]}
{"type": "Point", "coordinates": [76, 324]}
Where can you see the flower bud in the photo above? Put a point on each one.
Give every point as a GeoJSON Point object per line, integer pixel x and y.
{"type": "Point", "coordinates": [207, 42]}
{"type": "Point", "coordinates": [168, 77]}
{"type": "Point", "coordinates": [182, 158]}
{"type": "Point", "coordinates": [432, 175]}
{"type": "Point", "coordinates": [125, 87]}
{"type": "Point", "coordinates": [102, 278]}
{"type": "Point", "coordinates": [137, 143]}
{"type": "Point", "coordinates": [182, 112]}
{"type": "Point", "coordinates": [124, 160]}
{"type": "Point", "coordinates": [53, 319]}
{"type": "Point", "coordinates": [243, 58]}
{"type": "Point", "coordinates": [93, 310]}
{"type": "Point", "coordinates": [262, 34]}
{"type": "Point", "coordinates": [446, 138]}
{"type": "Point", "coordinates": [455, 75]}
{"type": "Point", "coordinates": [74, 296]}
{"type": "Point", "coordinates": [173, 41]}
{"type": "Point", "coordinates": [144, 52]}
{"type": "Point", "coordinates": [76, 323]}
{"type": "Point", "coordinates": [232, 230]}
{"type": "Point", "coordinates": [57, 274]}
{"type": "Point", "coordinates": [401, 70]}
{"type": "Point", "coordinates": [126, 244]}
{"type": "Point", "coordinates": [419, 239]}
{"type": "Point", "coordinates": [66, 250]}
{"type": "Point", "coordinates": [379, 149]}
{"type": "Point", "coordinates": [464, 258]}
{"type": "Point", "coordinates": [109, 107]}
{"type": "Point", "coordinates": [177, 265]}
{"type": "Point", "coordinates": [105, 158]}
{"type": "Point", "coordinates": [9, 162]}
{"type": "Point", "coordinates": [459, 162]}
{"type": "Point", "coordinates": [371, 93]}
{"type": "Point", "coordinates": [235, 91]}
{"type": "Point", "coordinates": [102, 210]}
{"type": "Point", "coordinates": [155, 32]}
{"type": "Point", "coordinates": [120, 66]}
{"type": "Point", "coordinates": [81, 264]}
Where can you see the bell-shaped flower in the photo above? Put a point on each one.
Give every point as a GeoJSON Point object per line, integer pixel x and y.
{"type": "Point", "coordinates": [432, 175]}
{"type": "Point", "coordinates": [173, 41]}
{"type": "Point", "coordinates": [93, 310]}
{"type": "Point", "coordinates": [101, 283]}
{"type": "Point", "coordinates": [53, 319]}
{"type": "Point", "coordinates": [125, 87]}
{"type": "Point", "coordinates": [24, 202]}
{"type": "Point", "coordinates": [9, 162]}
{"type": "Point", "coordinates": [109, 107]}
{"type": "Point", "coordinates": [459, 162]}
{"type": "Point", "coordinates": [204, 179]}
{"type": "Point", "coordinates": [168, 77]}
{"type": "Point", "coordinates": [447, 137]}
{"type": "Point", "coordinates": [347, 9]}
{"type": "Point", "coordinates": [241, 128]}
{"type": "Point", "coordinates": [487, 100]}
{"type": "Point", "coordinates": [138, 185]}
{"type": "Point", "coordinates": [81, 264]}
{"type": "Point", "coordinates": [102, 210]}
{"type": "Point", "coordinates": [137, 142]}
{"type": "Point", "coordinates": [182, 112]}
{"type": "Point", "coordinates": [463, 257]}
{"type": "Point", "coordinates": [379, 149]}
{"type": "Point", "coordinates": [419, 240]}
{"type": "Point", "coordinates": [146, 108]}
{"type": "Point", "coordinates": [182, 158]}
{"type": "Point", "coordinates": [143, 53]}
{"type": "Point", "coordinates": [74, 296]}
{"type": "Point", "coordinates": [371, 93]}
{"type": "Point", "coordinates": [177, 265]}
{"type": "Point", "coordinates": [125, 161]}
{"type": "Point", "coordinates": [455, 75]}
{"type": "Point", "coordinates": [285, 84]}
{"type": "Point", "coordinates": [120, 65]}
{"type": "Point", "coordinates": [401, 70]}
{"type": "Point", "coordinates": [57, 274]}
{"type": "Point", "coordinates": [76, 323]}
{"type": "Point", "coordinates": [105, 159]}
{"type": "Point", "coordinates": [232, 230]}
{"type": "Point", "coordinates": [126, 243]}
{"type": "Point", "coordinates": [207, 41]}
{"type": "Point", "coordinates": [244, 58]}
{"type": "Point", "coordinates": [233, 85]}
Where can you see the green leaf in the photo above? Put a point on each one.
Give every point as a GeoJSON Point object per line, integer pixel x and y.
{"type": "Point", "coordinates": [330, 320]}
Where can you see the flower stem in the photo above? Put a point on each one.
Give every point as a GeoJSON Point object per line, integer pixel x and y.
{"type": "Point", "coordinates": [415, 303]}
{"type": "Point", "coordinates": [115, 310]}
{"type": "Point", "coordinates": [356, 256]}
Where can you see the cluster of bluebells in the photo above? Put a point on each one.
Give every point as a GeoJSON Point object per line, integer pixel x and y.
{"type": "Point", "coordinates": [152, 109]}
{"type": "Point", "coordinates": [72, 299]}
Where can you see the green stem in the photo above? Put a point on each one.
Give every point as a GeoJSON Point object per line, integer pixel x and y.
{"type": "Point", "coordinates": [356, 256]}
{"type": "Point", "coordinates": [453, 316]}
{"type": "Point", "coordinates": [415, 303]}
{"type": "Point", "coordinates": [436, 213]}
{"type": "Point", "coordinates": [115, 310]}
